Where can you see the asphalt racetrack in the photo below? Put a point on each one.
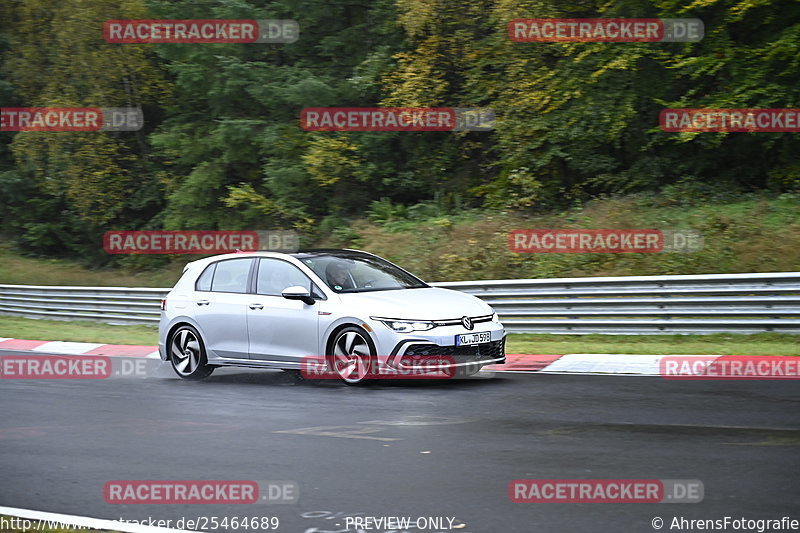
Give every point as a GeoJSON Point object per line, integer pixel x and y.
{"type": "Point", "coordinates": [403, 448]}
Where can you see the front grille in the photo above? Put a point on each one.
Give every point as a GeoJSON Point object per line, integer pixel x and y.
{"type": "Point", "coordinates": [457, 321]}
{"type": "Point", "coordinates": [478, 352]}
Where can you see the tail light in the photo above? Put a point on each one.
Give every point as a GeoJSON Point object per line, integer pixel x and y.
{"type": "Point", "coordinates": [163, 304]}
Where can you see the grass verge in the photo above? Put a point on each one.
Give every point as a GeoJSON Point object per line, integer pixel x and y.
{"type": "Point", "coordinates": [718, 344]}
{"type": "Point", "coordinates": [16, 269]}
{"type": "Point", "coordinates": [748, 234]}
{"type": "Point", "coordinates": [744, 233]}
{"type": "Point", "coordinates": [76, 331]}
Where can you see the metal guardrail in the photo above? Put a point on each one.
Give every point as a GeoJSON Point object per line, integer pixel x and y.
{"type": "Point", "coordinates": [719, 303]}
{"type": "Point", "coordinates": [115, 305]}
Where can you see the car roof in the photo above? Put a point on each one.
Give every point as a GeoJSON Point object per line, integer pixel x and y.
{"type": "Point", "coordinates": [307, 252]}
{"type": "Point", "coordinates": [325, 251]}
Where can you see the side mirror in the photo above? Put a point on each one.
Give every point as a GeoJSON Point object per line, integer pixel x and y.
{"type": "Point", "coordinates": [296, 292]}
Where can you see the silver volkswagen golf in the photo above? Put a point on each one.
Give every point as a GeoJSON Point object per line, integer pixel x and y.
{"type": "Point", "coordinates": [347, 308]}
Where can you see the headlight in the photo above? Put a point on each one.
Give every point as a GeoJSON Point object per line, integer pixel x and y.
{"type": "Point", "coordinates": [406, 326]}
{"type": "Point", "coordinates": [495, 318]}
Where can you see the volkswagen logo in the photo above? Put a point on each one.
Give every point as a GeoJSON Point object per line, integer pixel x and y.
{"type": "Point", "coordinates": [466, 322]}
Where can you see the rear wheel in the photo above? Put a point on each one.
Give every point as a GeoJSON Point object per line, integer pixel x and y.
{"type": "Point", "coordinates": [188, 354]}
{"type": "Point", "coordinates": [353, 356]}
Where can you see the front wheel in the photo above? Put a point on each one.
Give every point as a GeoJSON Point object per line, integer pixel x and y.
{"type": "Point", "coordinates": [188, 354]}
{"type": "Point", "coordinates": [353, 356]}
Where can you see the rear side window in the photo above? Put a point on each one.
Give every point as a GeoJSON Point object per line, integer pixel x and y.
{"type": "Point", "coordinates": [204, 281]}
{"type": "Point", "coordinates": [231, 275]}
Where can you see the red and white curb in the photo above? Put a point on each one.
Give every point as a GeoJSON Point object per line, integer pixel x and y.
{"type": "Point", "coordinates": [79, 348]}
{"type": "Point", "coordinates": [574, 363]}
{"type": "Point", "coordinates": [591, 363]}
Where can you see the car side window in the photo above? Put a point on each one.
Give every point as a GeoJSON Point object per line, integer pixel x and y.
{"type": "Point", "coordinates": [275, 276]}
{"type": "Point", "coordinates": [231, 275]}
{"type": "Point", "coordinates": [204, 281]}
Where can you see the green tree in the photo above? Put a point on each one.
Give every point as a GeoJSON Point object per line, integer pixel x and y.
{"type": "Point", "coordinates": [58, 58]}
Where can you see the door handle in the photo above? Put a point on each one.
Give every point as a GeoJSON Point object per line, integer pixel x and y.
{"type": "Point", "coordinates": [203, 302]}
{"type": "Point", "coordinates": [256, 306]}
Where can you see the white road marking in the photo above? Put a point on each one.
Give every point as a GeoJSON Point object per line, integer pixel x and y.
{"type": "Point", "coordinates": [598, 363]}
{"type": "Point", "coordinates": [70, 348]}
{"type": "Point", "coordinates": [420, 420]}
{"type": "Point", "coordinates": [345, 432]}
{"type": "Point", "coordinates": [85, 521]}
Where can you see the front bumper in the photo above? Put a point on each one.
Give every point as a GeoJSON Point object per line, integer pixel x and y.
{"type": "Point", "coordinates": [416, 355]}
{"type": "Point", "coordinates": [436, 348]}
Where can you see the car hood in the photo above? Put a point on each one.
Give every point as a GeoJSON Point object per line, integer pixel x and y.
{"type": "Point", "coordinates": [421, 304]}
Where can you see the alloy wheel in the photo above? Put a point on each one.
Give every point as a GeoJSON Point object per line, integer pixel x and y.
{"type": "Point", "coordinates": [352, 356]}
{"type": "Point", "coordinates": [185, 352]}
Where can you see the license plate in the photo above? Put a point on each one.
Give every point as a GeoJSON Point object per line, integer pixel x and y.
{"type": "Point", "coordinates": [473, 338]}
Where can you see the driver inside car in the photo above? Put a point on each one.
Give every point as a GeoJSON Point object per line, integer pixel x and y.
{"type": "Point", "coordinates": [338, 276]}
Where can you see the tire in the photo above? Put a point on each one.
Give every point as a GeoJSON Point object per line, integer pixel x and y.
{"type": "Point", "coordinates": [188, 354]}
{"type": "Point", "coordinates": [353, 356]}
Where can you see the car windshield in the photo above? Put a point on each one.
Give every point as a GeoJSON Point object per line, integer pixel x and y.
{"type": "Point", "coordinates": [353, 272]}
